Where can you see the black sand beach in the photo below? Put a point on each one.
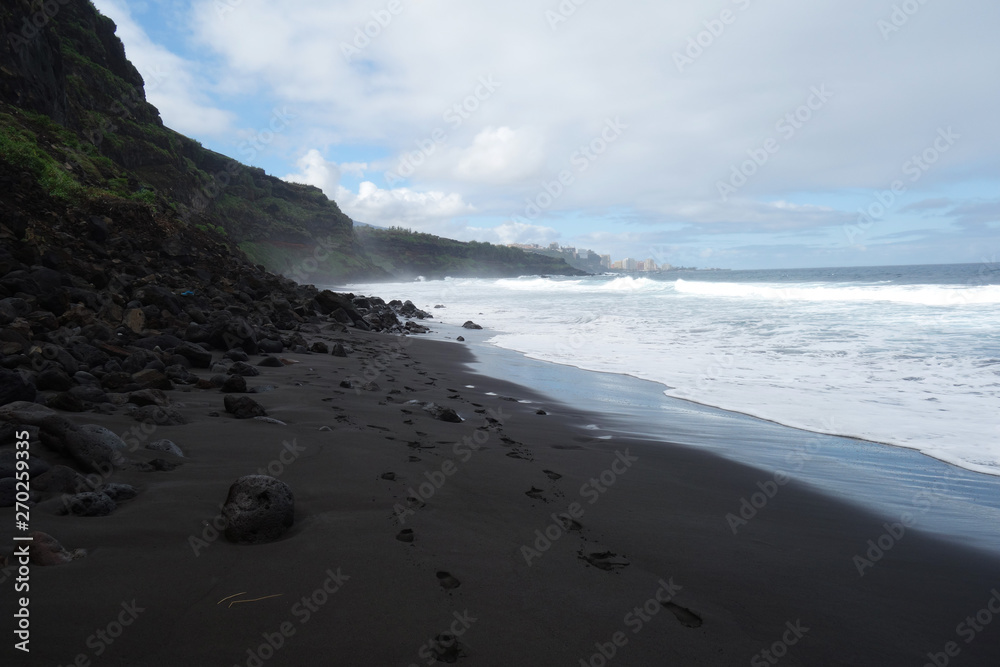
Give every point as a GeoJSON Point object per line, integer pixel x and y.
{"type": "Point", "coordinates": [649, 570]}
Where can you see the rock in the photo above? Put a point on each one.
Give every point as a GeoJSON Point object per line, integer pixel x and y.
{"type": "Point", "coordinates": [157, 465]}
{"type": "Point", "coordinates": [33, 414]}
{"type": "Point", "coordinates": [270, 362]}
{"type": "Point", "coordinates": [134, 319]}
{"type": "Point", "coordinates": [53, 379]}
{"type": "Point", "coordinates": [236, 354]}
{"type": "Point", "coordinates": [471, 325]}
{"type": "Point", "coordinates": [442, 413]}
{"type": "Point", "coordinates": [234, 384]}
{"type": "Point", "coordinates": [461, 339]}
{"type": "Point", "coordinates": [89, 394]}
{"type": "Point", "coordinates": [8, 463]}
{"type": "Point", "coordinates": [271, 346]}
{"type": "Point", "coordinates": [91, 503]}
{"type": "Point", "coordinates": [119, 492]}
{"type": "Point", "coordinates": [244, 407]}
{"type": "Point", "coordinates": [60, 479]}
{"type": "Point", "coordinates": [44, 550]}
{"type": "Point", "coordinates": [8, 491]}
{"type": "Point", "coordinates": [93, 450]}
{"type": "Point", "coordinates": [165, 446]}
{"type": "Point", "coordinates": [13, 387]}
{"type": "Point", "coordinates": [197, 355]}
{"type": "Point", "coordinates": [105, 436]}
{"type": "Point", "coordinates": [65, 401]}
{"type": "Point", "coordinates": [370, 386]}
{"type": "Point", "coordinates": [154, 414]}
{"type": "Point", "coordinates": [145, 397]}
{"type": "Point", "coordinates": [338, 350]}
{"type": "Point", "coordinates": [244, 369]}
{"type": "Point", "coordinates": [258, 509]}
{"type": "Point", "coordinates": [153, 379]}
{"type": "Point", "coordinates": [319, 347]}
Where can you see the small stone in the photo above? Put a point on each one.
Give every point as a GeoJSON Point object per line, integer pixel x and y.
{"type": "Point", "coordinates": [164, 445]}
{"type": "Point", "coordinates": [234, 384]}
{"type": "Point", "coordinates": [244, 407]}
{"type": "Point", "coordinates": [258, 509]}
{"type": "Point", "coordinates": [91, 503]}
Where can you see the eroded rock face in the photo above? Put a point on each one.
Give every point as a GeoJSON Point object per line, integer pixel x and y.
{"type": "Point", "coordinates": [258, 509]}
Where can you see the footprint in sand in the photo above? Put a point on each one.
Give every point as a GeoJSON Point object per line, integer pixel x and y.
{"type": "Point", "coordinates": [389, 476]}
{"type": "Point", "coordinates": [535, 493]}
{"type": "Point", "coordinates": [447, 581]}
{"type": "Point", "coordinates": [405, 535]}
{"type": "Point", "coordinates": [685, 616]}
{"type": "Point", "coordinates": [552, 475]}
{"type": "Point", "coordinates": [604, 560]}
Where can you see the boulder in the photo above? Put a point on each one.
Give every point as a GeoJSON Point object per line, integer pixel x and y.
{"type": "Point", "coordinates": [442, 413]}
{"type": "Point", "coordinates": [270, 362]}
{"type": "Point", "coordinates": [471, 325]}
{"type": "Point", "coordinates": [119, 492]}
{"type": "Point", "coordinates": [164, 445]}
{"type": "Point", "coordinates": [244, 407]}
{"type": "Point", "coordinates": [197, 355]}
{"type": "Point", "coordinates": [90, 503]}
{"type": "Point", "coordinates": [33, 414]}
{"type": "Point", "coordinates": [65, 401]}
{"type": "Point", "coordinates": [93, 449]}
{"type": "Point", "coordinates": [145, 397]}
{"type": "Point", "coordinates": [60, 479]}
{"type": "Point", "coordinates": [338, 350]}
{"type": "Point", "coordinates": [13, 387]}
{"type": "Point", "coordinates": [154, 414]}
{"type": "Point", "coordinates": [234, 384]}
{"type": "Point", "coordinates": [44, 550]}
{"type": "Point", "coordinates": [53, 379]}
{"type": "Point", "coordinates": [154, 379]}
{"type": "Point", "coordinates": [258, 509]}
{"type": "Point", "coordinates": [319, 347]}
{"type": "Point", "coordinates": [244, 369]}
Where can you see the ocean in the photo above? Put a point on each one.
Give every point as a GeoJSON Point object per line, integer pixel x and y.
{"type": "Point", "coordinates": [901, 355]}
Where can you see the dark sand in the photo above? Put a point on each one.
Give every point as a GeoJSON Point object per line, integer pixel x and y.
{"type": "Point", "coordinates": [662, 519]}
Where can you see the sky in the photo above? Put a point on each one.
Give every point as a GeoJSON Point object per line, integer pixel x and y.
{"type": "Point", "coordinates": [720, 133]}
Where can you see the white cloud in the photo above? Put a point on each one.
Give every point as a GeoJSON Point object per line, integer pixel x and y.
{"type": "Point", "coordinates": [499, 155]}
{"type": "Point", "coordinates": [386, 207]}
{"type": "Point", "coordinates": [172, 83]}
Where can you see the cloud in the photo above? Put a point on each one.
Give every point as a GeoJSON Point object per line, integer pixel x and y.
{"type": "Point", "coordinates": [173, 84]}
{"type": "Point", "coordinates": [374, 205]}
{"type": "Point", "coordinates": [826, 107]}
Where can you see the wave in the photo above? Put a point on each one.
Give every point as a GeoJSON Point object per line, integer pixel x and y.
{"type": "Point", "coordinates": [924, 295]}
{"type": "Point", "coordinates": [628, 284]}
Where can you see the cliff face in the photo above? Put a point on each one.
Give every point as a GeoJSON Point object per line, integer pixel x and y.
{"type": "Point", "coordinates": [73, 113]}
{"type": "Point", "coordinates": [74, 117]}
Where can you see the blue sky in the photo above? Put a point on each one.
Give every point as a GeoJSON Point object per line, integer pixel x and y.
{"type": "Point", "coordinates": [729, 133]}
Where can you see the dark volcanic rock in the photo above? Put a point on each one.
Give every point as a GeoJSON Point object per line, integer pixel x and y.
{"type": "Point", "coordinates": [197, 355]}
{"type": "Point", "coordinates": [60, 479]}
{"type": "Point", "coordinates": [244, 407]}
{"type": "Point", "coordinates": [270, 362]}
{"type": "Point", "coordinates": [91, 503]}
{"type": "Point", "coordinates": [119, 492]}
{"type": "Point", "coordinates": [442, 413]}
{"type": "Point", "coordinates": [65, 401]}
{"type": "Point", "coordinates": [44, 550]}
{"type": "Point", "coordinates": [94, 450]}
{"type": "Point", "coordinates": [235, 384]}
{"type": "Point", "coordinates": [53, 379]}
{"type": "Point", "coordinates": [319, 347]}
{"type": "Point", "coordinates": [244, 369]}
{"type": "Point", "coordinates": [168, 446]}
{"type": "Point", "coordinates": [13, 388]}
{"type": "Point", "coordinates": [258, 509]}
{"type": "Point", "coordinates": [471, 325]}
{"type": "Point", "coordinates": [154, 414]}
{"type": "Point", "coordinates": [338, 350]}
